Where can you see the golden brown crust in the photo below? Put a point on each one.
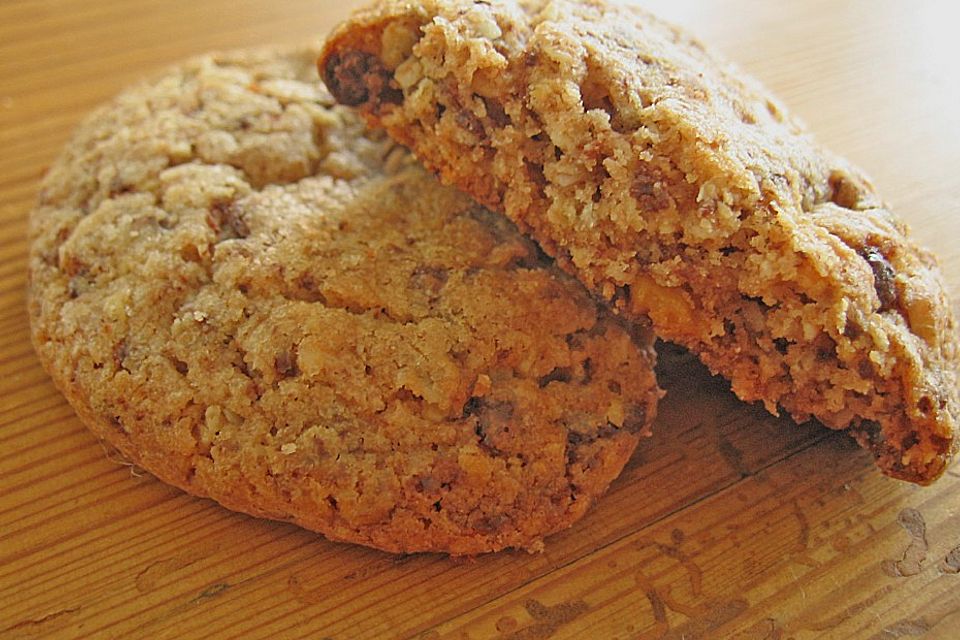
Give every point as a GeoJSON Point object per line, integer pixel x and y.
{"type": "Point", "coordinates": [678, 190]}
{"type": "Point", "coordinates": [259, 301]}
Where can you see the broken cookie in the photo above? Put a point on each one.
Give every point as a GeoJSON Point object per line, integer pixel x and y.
{"type": "Point", "coordinates": [679, 191]}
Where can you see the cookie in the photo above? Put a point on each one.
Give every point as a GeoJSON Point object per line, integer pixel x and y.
{"type": "Point", "coordinates": [259, 301]}
{"type": "Point", "coordinates": [679, 191]}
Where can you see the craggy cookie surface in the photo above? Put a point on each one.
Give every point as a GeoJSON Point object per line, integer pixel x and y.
{"type": "Point", "coordinates": [679, 191]}
{"type": "Point", "coordinates": [259, 301]}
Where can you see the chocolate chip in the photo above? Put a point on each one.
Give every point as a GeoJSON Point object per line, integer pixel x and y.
{"type": "Point", "coordinates": [636, 419]}
{"type": "Point", "coordinates": [355, 78]}
{"type": "Point", "coordinates": [826, 348]}
{"type": "Point", "coordinates": [535, 174]}
{"type": "Point", "coordinates": [306, 288]}
{"type": "Point", "coordinates": [344, 77]}
{"type": "Point", "coordinates": [560, 374]}
{"type": "Point", "coordinates": [874, 433]}
{"type": "Point", "coordinates": [472, 407]}
{"type": "Point", "coordinates": [493, 424]}
{"type": "Point", "coordinates": [227, 221]}
{"type": "Point", "coordinates": [729, 327]}
{"type": "Point", "coordinates": [469, 122]}
{"type": "Point", "coordinates": [496, 113]}
{"type": "Point", "coordinates": [884, 277]}
{"type": "Point", "coordinates": [574, 438]}
{"type": "Point", "coordinates": [909, 441]}
{"type": "Point", "coordinates": [286, 365]}
{"type": "Point", "coordinates": [852, 330]}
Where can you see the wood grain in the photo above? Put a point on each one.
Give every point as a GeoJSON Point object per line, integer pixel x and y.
{"type": "Point", "coordinates": [729, 523]}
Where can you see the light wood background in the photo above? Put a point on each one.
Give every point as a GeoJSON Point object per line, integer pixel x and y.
{"type": "Point", "coordinates": [728, 524]}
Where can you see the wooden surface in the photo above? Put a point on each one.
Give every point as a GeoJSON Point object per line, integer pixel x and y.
{"type": "Point", "coordinates": [728, 524]}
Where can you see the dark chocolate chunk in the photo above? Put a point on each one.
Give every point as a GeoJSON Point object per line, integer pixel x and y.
{"type": "Point", "coordinates": [884, 278]}
{"type": "Point", "coordinates": [355, 78]}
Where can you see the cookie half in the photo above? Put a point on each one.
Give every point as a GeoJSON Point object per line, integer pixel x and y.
{"type": "Point", "coordinates": [259, 301]}
{"type": "Point", "coordinates": [680, 191]}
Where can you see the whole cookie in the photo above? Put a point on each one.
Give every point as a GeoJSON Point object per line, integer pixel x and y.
{"type": "Point", "coordinates": [681, 192]}
{"type": "Point", "coordinates": [259, 301]}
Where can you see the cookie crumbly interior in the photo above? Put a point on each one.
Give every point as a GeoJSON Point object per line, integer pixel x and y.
{"type": "Point", "coordinates": [677, 190]}
{"type": "Point", "coordinates": [260, 301]}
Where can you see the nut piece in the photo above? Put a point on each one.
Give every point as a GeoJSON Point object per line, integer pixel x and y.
{"type": "Point", "coordinates": [666, 305]}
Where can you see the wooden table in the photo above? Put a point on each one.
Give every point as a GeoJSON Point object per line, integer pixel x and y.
{"type": "Point", "coordinates": [728, 524]}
